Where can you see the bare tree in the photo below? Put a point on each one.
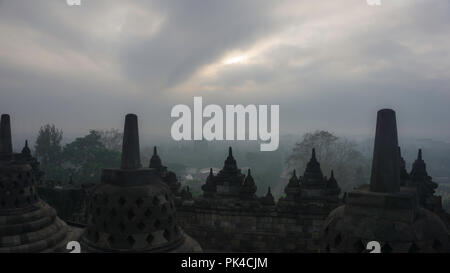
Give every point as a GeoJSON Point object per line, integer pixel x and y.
{"type": "Point", "coordinates": [112, 139]}
{"type": "Point", "coordinates": [350, 167]}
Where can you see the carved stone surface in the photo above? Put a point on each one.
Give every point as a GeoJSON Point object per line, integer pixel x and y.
{"type": "Point", "coordinates": [132, 210]}
{"type": "Point", "coordinates": [383, 211]}
{"type": "Point", "coordinates": [27, 224]}
{"type": "Point", "coordinates": [246, 223]}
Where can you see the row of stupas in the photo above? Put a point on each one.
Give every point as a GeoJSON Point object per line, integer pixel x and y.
{"type": "Point", "coordinates": [230, 182]}
{"type": "Point", "coordinates": [131, 210]}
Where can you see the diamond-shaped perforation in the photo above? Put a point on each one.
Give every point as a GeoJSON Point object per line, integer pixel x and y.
{"type": "Point", "coordinates": [139, 202]}
{"type": "Point", "coordinates": [141, 226]}
{"type": "Point", "coordinates": [131, 214]}
{"type": "Point", "coordinates": [148, 213]}
{"type": "Point", "coordinates": [167, 235]}
{"type": "Point", "coordinates": [155, 201]}
{"type": "Point", "coordinates": [122, 227]}
{"type": "Point", "coordinates": [150, 238]}
{"type": "Point", "coordinates": [131, 240]}
{"type": "Point", "coordinates": [157, 224]}
{"type": "Point", "coordinates": [113, 212]}
{"type": "Point", "coordinates": [176, 230]}
{"type": "Point", "coordinates": [122, 201]}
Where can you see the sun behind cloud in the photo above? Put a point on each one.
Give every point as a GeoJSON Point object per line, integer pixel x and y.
{"type": "Point", "coordinates": [235, 60]}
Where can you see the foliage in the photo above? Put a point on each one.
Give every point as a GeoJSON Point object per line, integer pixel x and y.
{"type": "Point", "coordinates": [48, 145]}
{"type": "Point", "coordinates": [111, 139]}
{"type": "Point", "coordinates": [83, 159]}
{"type": "Point", "coordinates": [87, 156]}
{"type": "Point", "coordinates": [444, 191]}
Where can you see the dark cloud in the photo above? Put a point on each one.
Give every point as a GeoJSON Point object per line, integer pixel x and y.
{"type": "Point", "coordinates": [329, 65]}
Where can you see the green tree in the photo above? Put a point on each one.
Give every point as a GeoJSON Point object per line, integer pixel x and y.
{"type": "Point", "coordinates": [85, 158]}
{"type": "Point", "coordinates": [48, 145]}
{"type": "Point", "coordinates": [350, 167]}
{"type": "Point", "coordinates": [112, 139]}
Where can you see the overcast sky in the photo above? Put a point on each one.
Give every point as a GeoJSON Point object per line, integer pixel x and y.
{"type": "Point", "coordinates": [328, 64]}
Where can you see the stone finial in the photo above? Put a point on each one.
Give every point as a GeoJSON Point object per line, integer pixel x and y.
{"type": "Point", "coordinates": [248, 188]}
{"type": "Point", "coordinates": [331, 182]}
{"type": "Point", "coordinates": [419, 168]}
{"type": "Point", "coordinates": [249, 179]}
{"type": "Point", "coordinates": [131, 158]}
{"type": "Point", "coordinates": [26, 150]}
{"type": "Point", "coordinates": [230, 162]}
{"type": "Point", "coordinates": [155, 160]}
{"type": "Point", "coordinates": [268, 199]}
{"type": "Point", "coordinates": [313, 155]}
{"type": "Point", "coordinates": [386, 162]}
{"type": "Point", "coordinates": [5, 137]}
{"type": "Point", "coordinates": [313, 169]}
{"type": "Point", "coordinates": [293, 181]}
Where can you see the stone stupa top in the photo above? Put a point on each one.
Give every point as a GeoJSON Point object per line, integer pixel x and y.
{"type": "Point", "coordinates": [385, 175]}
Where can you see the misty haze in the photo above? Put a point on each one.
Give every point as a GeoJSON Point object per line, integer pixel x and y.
{"type": "Point", "coordinates": [69, 75]}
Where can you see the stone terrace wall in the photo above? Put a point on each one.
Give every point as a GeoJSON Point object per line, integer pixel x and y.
{"type": "Point", "coordinates": [249, 229]}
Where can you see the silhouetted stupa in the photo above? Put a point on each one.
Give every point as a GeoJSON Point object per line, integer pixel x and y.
{"type": "Point", "coordinates": [383, 211]}
{"type": "Point", "coordinates": [27, 224]}
{"type": "Point", "coordinates": [133, 210]}
{"type": "Point", "coordinates": [169, 177]}
{"type": "Point", "coordinates": [229, 180]}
